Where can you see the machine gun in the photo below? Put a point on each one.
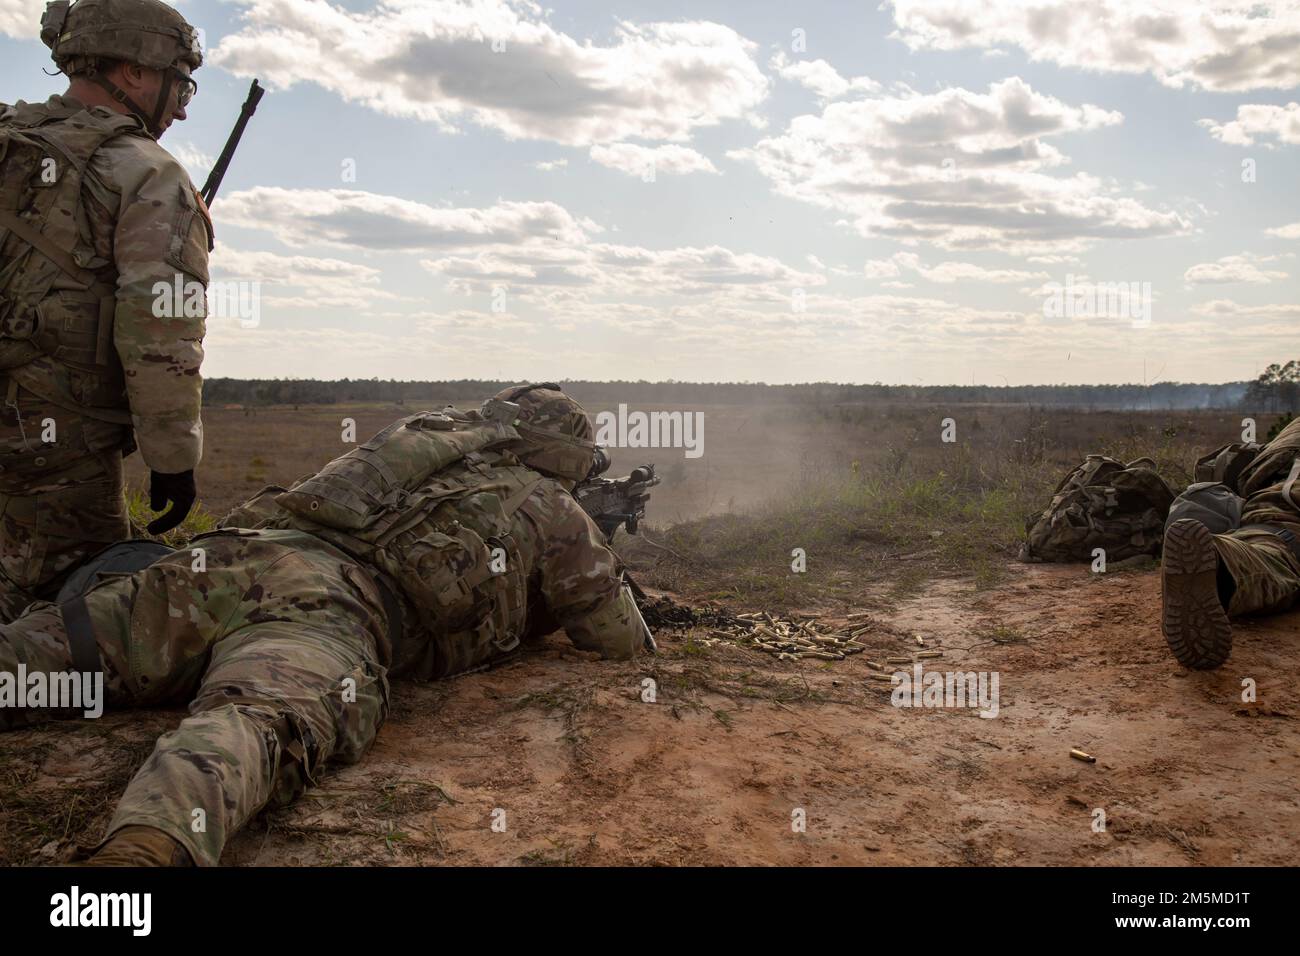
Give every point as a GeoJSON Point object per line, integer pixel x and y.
{"type": "Point", "coordinates": [619, 502]}
{"type": "Point", "coordinates": [615, 502]}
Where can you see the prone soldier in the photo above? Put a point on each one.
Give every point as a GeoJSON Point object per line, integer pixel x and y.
{"type": "Point", "coordinates": [434, 548]}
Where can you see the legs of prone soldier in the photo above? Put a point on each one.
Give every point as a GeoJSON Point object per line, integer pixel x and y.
{"type": "Point", "coordinates": [274, 642]}
{"type": "Point", "coordinates": [279, 701]}
{"type": "Point", "coordinates": [1208, 578]}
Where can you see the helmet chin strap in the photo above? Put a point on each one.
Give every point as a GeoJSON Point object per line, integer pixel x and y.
{"type": "Point", "coordinates": [151, 123]}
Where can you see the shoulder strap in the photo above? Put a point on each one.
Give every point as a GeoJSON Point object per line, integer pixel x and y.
{"type": "Point", "coordinates": [516, 501]}
{"type": "Point", "coordinates": [58, 256]}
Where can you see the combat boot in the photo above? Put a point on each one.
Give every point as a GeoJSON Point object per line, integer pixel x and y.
{"type": "Point", "coordinates": [1194, 620]}
{"type": "Point", "coordinates": [140, 846]}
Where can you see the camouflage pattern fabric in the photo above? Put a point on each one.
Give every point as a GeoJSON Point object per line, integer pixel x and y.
{"type": "Point", "coordinates": [282, 645]}
{"type": "Point", "coordinates": [55, 526]}
{"type": "Point", "coordinates": [1265, 572]}
{"type": "Point", "coordinates": [556, 436]}
{"type": "Point", "coordinates": [443, 508]}
{"type": "Point", "coordinates": [147, 32]}
{"type": "Point", "coordinates": [277, 647]}
{"type": "Point", "coordinates": [144, 224]}
{"type": "Point", "coordinates": [1105, 504]}
{"type": "Point", "coordinates": [458, 612]}
{"type": "Point", "coordinates": [131, 221]}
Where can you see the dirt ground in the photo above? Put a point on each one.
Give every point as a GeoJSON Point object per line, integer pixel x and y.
{"type": "Point", "coordinates": [563, 753]}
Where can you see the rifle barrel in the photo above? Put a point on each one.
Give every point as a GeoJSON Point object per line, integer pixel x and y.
{"type": "Point", "coordinates": [218, 172]}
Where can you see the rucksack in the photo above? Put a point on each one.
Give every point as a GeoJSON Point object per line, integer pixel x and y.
{"type": "Point", "coordinates": [1102, 503]}
{"type": "Point", "coordinates": [427, 502]}
{"type": "Point", "coordinates": [57, 342]}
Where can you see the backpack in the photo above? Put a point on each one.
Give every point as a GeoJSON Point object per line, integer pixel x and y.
{"type": "Point", "coordinates": [1102, 503]}
{"type": "Point", "coordinates": [428, 503]}
{"type": "Point", "coordinates": [57, 342]}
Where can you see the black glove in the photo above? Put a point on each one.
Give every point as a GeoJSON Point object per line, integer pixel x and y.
{"type": "Point", "coordinates": [179, 490]}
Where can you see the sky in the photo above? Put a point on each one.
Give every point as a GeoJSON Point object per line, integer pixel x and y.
{"type": "Point", "coordinates": [747, 191]}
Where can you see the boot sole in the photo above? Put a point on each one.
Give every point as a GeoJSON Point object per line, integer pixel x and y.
{"type": "Point", "coordinates": [1194, 622]}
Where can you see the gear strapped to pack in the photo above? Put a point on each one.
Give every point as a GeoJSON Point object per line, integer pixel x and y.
{"type": "Point", "coordinates": [427, 503]}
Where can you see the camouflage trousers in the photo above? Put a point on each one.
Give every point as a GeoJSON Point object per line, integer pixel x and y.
{"type": "Point", "coordinates": [274, 639]}
{"type": "Point", "coordinates": [60, 502]}
{"type": "Point", "coordinates": [1265, 572]}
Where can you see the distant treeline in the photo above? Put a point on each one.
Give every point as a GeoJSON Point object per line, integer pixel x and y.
{"type": "Point", "coordinates": [1161, 395]}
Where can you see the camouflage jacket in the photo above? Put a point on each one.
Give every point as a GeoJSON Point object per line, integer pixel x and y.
{"type": "Point", "coordinates": [461, 607]}
{"type": "Point", "coordinates": [137, 223]}
{"type": "Point", "coordinates": [1271, 482]}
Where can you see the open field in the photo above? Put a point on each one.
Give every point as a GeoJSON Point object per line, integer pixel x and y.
{"type": "Point", "coordinates": [751, 453]}
{"type": "Point", "coordinates": [735, 742]}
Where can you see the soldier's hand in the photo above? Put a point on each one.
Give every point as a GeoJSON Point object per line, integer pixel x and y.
{"type": "Point", "coordinates": [178, 489]}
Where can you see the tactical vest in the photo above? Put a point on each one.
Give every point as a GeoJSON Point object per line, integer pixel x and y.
{"type": "Point", "coordinates": [1102, 503]}
{"type": "Point", "coordinates": [427, 502]}
{"type": "Point", "coordinates": [56, 342]}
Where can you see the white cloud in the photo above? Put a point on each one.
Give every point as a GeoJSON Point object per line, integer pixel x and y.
{"type": "Point", "coordinates": [1289, 231]}
{"type": "Point", "coordinates": [302, 281]}
{"type": "Point", "coordinates": [1255, 120]}
{"type": "Point", "coordinates": [364, 220]}
{"type": "Point", "coordinates": [1229, 309]}
{"type": "Point", "coordinates": [945, 272]}
{"type": "Point", "coordinates": [959, 169]}
{"type": "Point", "coordinates": [21, 19]}
{"type": "Point", "coordinates": [637, 160]}
{"type": "Point", "coordinates": [551, 164]}
{"type": "Point", "coordinates": [1227, 46]}
{"type": "Point", "coordinates": [604, 269]}
{"type": "Point", "coordinates": [820, 77]}
{"type": "Point", "coordinates": [1231, 269]}
{"type": "Point", "coordinates": [435, 60]}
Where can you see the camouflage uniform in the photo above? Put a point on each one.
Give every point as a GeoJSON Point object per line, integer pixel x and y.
{"type": "Point", "coordinates": [1208, 578]}
{"type": "Point", "coordinates": [1265, 572]}
{"type": "Point", "coordinates": [87, 370]}
{"type": "Point", "coordinates": [284, 644]}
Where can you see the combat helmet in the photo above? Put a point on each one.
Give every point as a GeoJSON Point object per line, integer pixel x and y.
{"type": "Point", "coordinates": [556, 435]}
{"type": "Point", "coordinates": [86, 33]}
